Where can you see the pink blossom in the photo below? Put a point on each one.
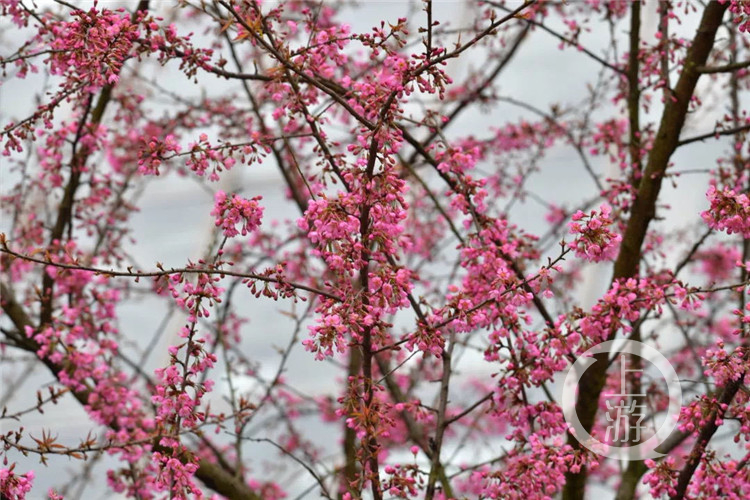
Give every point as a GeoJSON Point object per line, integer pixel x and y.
{"type": "Point", "coordinates": [729, 211]}
{"type": "Point", "coordinates": [230, 211]}
{"type": "Point", "coordinates": [594, 241]}
{"type": "Point", "coordinates": [15, 486]}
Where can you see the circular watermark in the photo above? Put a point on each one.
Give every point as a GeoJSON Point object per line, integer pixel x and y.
{"type": "Point", "coordinates": [626, 409]}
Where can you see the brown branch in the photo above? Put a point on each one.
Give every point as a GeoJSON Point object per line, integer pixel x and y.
{"type": "Point", "coordinates": [369, 443]}
{"type": "Point", "coordinates": [634, 471]}
{"type": "Point", "coordinates": [716, 133]}
{"type": "Point", "coordinates": [634, 91]}
{"type": "Point", "coordinates": [727, 68]}
{"type": "Point", "coordinates": [436, 467]}
{"type": "Point", "coordinates": [164, 272]}
{"type": "Point", "coordinates": [732, 387]}
{"type": "Point", "coordinates": [512, 14]}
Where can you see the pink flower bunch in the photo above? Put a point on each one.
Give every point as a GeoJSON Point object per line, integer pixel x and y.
{"type": "Point", "coordinates": [267, 490]}
{"type": "Point", "coordinates": [15, 486]}
{"type": "Point", "coordinates": [544, 417]}
{"type": "Point", "coordinates": [696, 415]}
{"type": "Point", "coordinates": [403, 480]}
{"type": "Point", "coordinates": [611, 139]}
{"type": "Point", "coordinates": [537, 473]}
{"type": "Point", "coordinates": [197, 294]}
{"type": "Point", "coordinates": [719, 479]}
{"type": "Point", "coordinates": [718, 262]}
{"type": "Point", "coordinates": [427, 340]}
{"type": "Point", "coordinates": [174, 403]}
{"type": "Point", "coordinates": [204, 156]}
{"type": "Point", "coordinates": [741, 11]}
{"type": "Point", "coordinates": [662, 477]}
{"type": "Point", "coordinates": [622, 305]}
{"type": "Point", "coordinates": [165, 41]}
{"type": "Point", "coordinates": [175, 475]}
{"type": "Point", "coordinates": [327, 55]}
{"type": "Point", "coordinates": [153, 151]}
{"type": "Point", "coordinates": [555, 214]}
{"type": "Point", "coordinates": [330, 332]}
{"type": "Point", "coordinates": [729, 211]}
{"type": "Point", "coordinates": [521, 136]}
{"type": "Point", "coordinates": [93, 48]}
{"type": "Point", "coordinates": [16, 11]}
{"type": "Point", "coordinates": [332, 226]}
{"type": "Point", "coordinates": [230, 211]}
{"type": "Point", "coordinates": [595, 242]}
{"type": "Point", "coordinates": [389, 288]}
{"type": "Point", "coordinates": [458, 160]}
{"type": "Point", "coordinates": [617, 8]}
{"type": "Point", "coordinates": [724, 366]}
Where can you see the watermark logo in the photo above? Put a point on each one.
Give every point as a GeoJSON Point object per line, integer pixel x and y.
{"type": "Point", "coordinates": [625, 411]}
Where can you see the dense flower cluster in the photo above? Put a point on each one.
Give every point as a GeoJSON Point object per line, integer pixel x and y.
{"type": "Point", "coordinates": [725, 366]}
{"type": "Point", "coordinates": [233, 210]}
{"type": "Point", "coordinates": [538, 474]}
{"type": "Point", "coordinates": [153, 152]}
{"type": "Point", "coordinates": [741, 12]}
{"type": "Point", "coordinates": [594, 240]}
{"type": "Point", "coordinates": [719, 262]}
{"type": "Point", "coordinates": [729, 211]}
{"type": "Point", "coordinates": [92, 49]}
{"type": "Point", "coordinates": [15, 486]}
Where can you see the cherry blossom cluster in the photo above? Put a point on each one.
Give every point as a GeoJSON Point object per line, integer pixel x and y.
{"type": "Point", "coordinates": [15, 486]}
{"type": "Point", "coordinates": [152, 154]}
{"type": "Point", "coordinates": [729, 211]}
{"type": "Point", "coordinates": [621, 305]}
{"type": "Point", "coordinates": [174, 475]}
{"type": "Point", "coordinates": [719, 478]}
{"type": "Point", "coordinates": [741, 12]}
{"type": "Point", "coordinates": [661, 477]}
{"type": "Point", "coordinates": [234, 210]}
{"type": "Point", "coordinates": [594, 241]}
{"type": "Point", "coordinates": [332, 225]}
{"type": "Point", "coordinates": [610, 139]}
{"type": "Point", "coordinates": [719, 262]}
{"type": "Point", "coordinates": [725, 366]}
{"type": "Point", "coordinates": [536, 474]}
{"type": "Point", "coordinates": [404, 480]}
{"type": "Point", "coordinates": [91, 49]}
{"type": "Point", "coordinates": [330, 332]}
{"type": "Point", "coordinates": [696, 414]}
{"type": "Point", "coordinates": [204, 158]}
{"type": "Point", "coordinates": [15, 10]}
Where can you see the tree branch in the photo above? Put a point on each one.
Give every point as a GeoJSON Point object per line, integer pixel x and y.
{"type": "Point", "coordinates": [717, 133]}
{"type": "Point", "coordinates": [164, 272]}
{"type": "Point", "coordinates": [727, 68]}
